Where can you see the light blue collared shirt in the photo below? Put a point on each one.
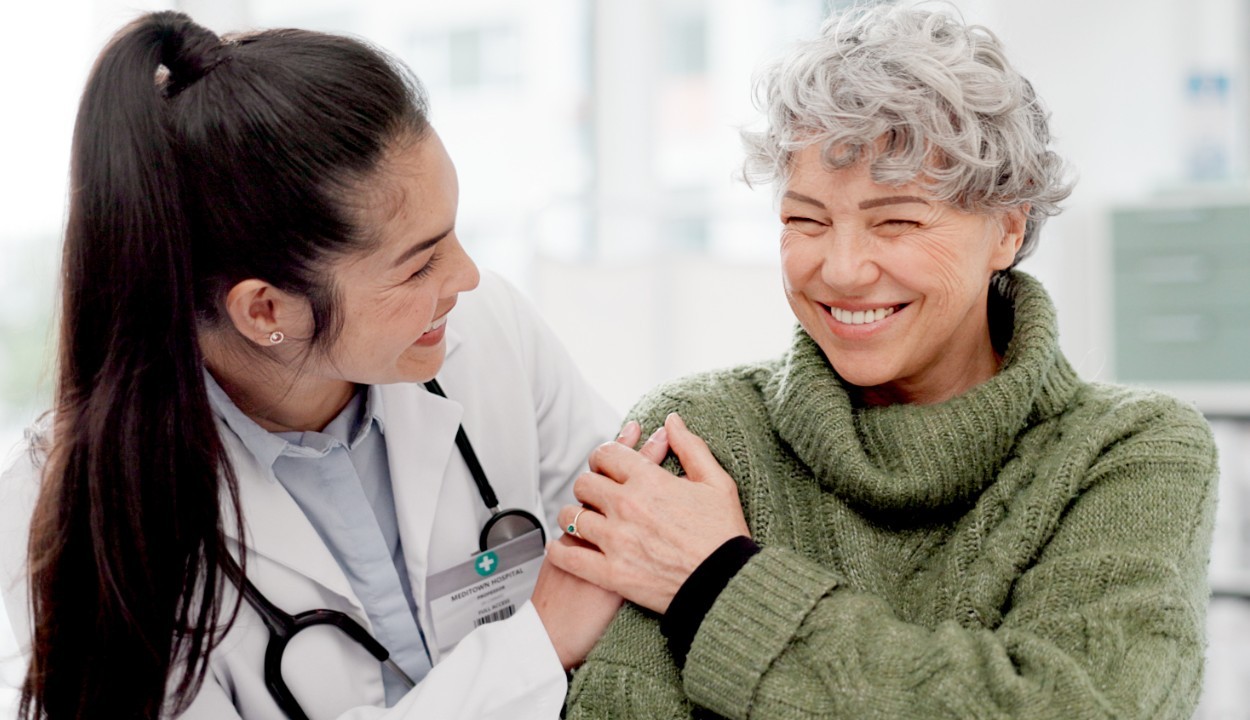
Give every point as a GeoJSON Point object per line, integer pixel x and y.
{"type": "Point", "coordinates": [341, 480]}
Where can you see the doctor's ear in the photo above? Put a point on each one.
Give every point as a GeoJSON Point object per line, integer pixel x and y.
{"type": "Point", "coordinates": [266, 315]}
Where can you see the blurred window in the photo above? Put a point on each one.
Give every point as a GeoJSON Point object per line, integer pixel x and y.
{"type": "Point", "coordinates": [686, 44]}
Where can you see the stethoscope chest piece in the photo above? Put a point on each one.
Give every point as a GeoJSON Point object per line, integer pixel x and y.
{"type": "Point", "coordinates": [505, 525]}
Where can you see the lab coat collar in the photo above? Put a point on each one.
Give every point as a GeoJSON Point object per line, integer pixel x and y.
{"type": "Point", "coordinates": [274, 525]}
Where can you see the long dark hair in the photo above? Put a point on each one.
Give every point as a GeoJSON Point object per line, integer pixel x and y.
{"type": "Point", "coordinates": [197, 163]}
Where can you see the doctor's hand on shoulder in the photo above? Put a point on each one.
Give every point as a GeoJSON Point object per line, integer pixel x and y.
{"type": "Point", "coordinates": [575, 612]}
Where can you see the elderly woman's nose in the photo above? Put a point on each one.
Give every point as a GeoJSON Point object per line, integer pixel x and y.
{"type": "Point", "coordinates": [848, 264]}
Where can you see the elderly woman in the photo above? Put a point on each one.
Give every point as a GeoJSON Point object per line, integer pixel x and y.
{"type": "Point", "coordinates": [933, 516]}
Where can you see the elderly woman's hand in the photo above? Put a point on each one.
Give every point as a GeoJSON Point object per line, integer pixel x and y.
{"type": "Point", "coordinates": [644, 530]}
{"type": "Point", "coordinates": [574, 612]}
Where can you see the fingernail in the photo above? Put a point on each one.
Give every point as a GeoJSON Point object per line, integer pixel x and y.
{"type": "Point", "coordinates": [625, 430]}
{"type": "Point", "coordinates": [675, 418]}
{"type": "Point", "coordinates": [660, 435]}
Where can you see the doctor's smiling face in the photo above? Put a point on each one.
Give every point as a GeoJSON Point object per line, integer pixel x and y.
{"type": "Point", "coordinates": [394, 297]}
{"type": "Point", "coordinates": [891, 283]}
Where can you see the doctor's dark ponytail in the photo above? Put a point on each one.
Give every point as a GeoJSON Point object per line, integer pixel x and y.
{"type": "Point", "coordinates": [197, 163]}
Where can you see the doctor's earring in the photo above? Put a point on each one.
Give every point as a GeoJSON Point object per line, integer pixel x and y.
{"type": "Point", "coordinates": [276, 337]}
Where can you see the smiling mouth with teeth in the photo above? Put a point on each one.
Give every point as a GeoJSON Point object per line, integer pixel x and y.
{"type": "Point", "coordinates": [862, 317]}
{"type": "Point", "coordinates": [436, 324]}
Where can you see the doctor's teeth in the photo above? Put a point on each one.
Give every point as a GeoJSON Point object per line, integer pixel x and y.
{"type": "Point", "coordinates": [860, 317]}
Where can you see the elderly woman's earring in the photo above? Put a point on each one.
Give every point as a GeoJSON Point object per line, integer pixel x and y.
{"type": "Point", "coordinates": [276, 337]}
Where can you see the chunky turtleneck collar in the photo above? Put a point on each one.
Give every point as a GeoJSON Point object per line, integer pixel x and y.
{"type": "Point", "coordinates": [920, 457]}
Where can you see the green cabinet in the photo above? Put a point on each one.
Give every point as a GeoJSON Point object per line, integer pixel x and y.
{"type": "Point", "coordinates": [1182, 294]}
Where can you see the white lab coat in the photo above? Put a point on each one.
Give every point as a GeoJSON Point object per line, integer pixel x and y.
{"type": "Point", "coordinates": [532, 420]}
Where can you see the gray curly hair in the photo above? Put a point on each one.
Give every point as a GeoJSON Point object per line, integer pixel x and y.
{"type": "Point", "coordinates": [927, 98]}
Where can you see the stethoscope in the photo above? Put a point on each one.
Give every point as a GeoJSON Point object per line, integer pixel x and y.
{"type": "Point", "coordinates": [503, 525]}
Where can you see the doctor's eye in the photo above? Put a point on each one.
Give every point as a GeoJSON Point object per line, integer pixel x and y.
{"type": "Point", "coordinates": [426, 269]}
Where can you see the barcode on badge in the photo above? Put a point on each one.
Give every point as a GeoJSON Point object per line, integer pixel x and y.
{"type": "Point", "coordinates": [502, 613]}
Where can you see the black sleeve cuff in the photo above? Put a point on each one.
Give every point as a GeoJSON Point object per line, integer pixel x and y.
{"type": "Point", "coordinates": [694, 599]}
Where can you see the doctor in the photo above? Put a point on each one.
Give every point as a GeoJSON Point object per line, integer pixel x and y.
{"type": "Point", "coordinates": [261, 274]}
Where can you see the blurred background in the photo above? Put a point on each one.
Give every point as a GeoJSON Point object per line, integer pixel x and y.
{"type": "Point", "coordinates": [596, 142]}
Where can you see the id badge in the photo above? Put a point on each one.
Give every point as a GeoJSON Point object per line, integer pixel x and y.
{"type": "Point", "coordinates": [489, 587]}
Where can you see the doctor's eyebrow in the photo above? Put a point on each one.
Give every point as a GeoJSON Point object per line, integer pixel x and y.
{"type": "Point", "coordinates": [420, 247]}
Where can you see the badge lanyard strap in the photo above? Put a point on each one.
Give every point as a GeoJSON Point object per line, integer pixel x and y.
{"type": "Point", "coordinates": [470, 458]}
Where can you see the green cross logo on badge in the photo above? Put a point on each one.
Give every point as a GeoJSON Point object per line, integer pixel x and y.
{"type": "Point", "coordinates": [487, 563]}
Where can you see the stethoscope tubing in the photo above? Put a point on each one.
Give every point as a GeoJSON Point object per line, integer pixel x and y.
{"type": "Point", "coordinates": [283, 627]}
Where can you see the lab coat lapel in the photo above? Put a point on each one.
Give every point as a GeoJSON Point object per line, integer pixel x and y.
{"type": "Point", "coordinates": [276, 527]}
{"type": "Point", "coordinates": [420, 442]}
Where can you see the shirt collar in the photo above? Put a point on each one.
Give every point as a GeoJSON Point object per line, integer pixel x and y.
{"type": "Point", "coordinates": [267, 447]}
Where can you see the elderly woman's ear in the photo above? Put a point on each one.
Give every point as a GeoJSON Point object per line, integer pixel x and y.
{"type": "Point", "coordinates": [1014, 223]}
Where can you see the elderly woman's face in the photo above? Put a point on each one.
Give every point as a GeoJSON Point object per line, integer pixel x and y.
{"type": "Point", "coordinates": [890, 283]}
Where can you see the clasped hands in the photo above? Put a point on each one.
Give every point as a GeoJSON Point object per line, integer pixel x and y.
{"type": "Point", "coordinates": [640, 530]}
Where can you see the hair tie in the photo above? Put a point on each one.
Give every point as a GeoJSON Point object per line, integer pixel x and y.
{"type": "Point", "coordinates": [188, 52]}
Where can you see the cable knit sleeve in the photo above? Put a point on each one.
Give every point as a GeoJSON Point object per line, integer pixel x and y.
{"type": "Point", "coordinates": [1108, 622]}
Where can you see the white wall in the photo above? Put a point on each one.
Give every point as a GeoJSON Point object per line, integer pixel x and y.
{"type": "Point", "coordinates": [633, 326]}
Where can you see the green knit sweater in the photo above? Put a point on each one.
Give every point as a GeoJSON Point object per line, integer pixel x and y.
{"type": "Point", "coordinates": [1034, 548]}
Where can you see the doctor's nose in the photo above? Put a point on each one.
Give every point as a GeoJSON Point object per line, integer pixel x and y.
{"type": "Point", "coordinates": [465, 276]}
